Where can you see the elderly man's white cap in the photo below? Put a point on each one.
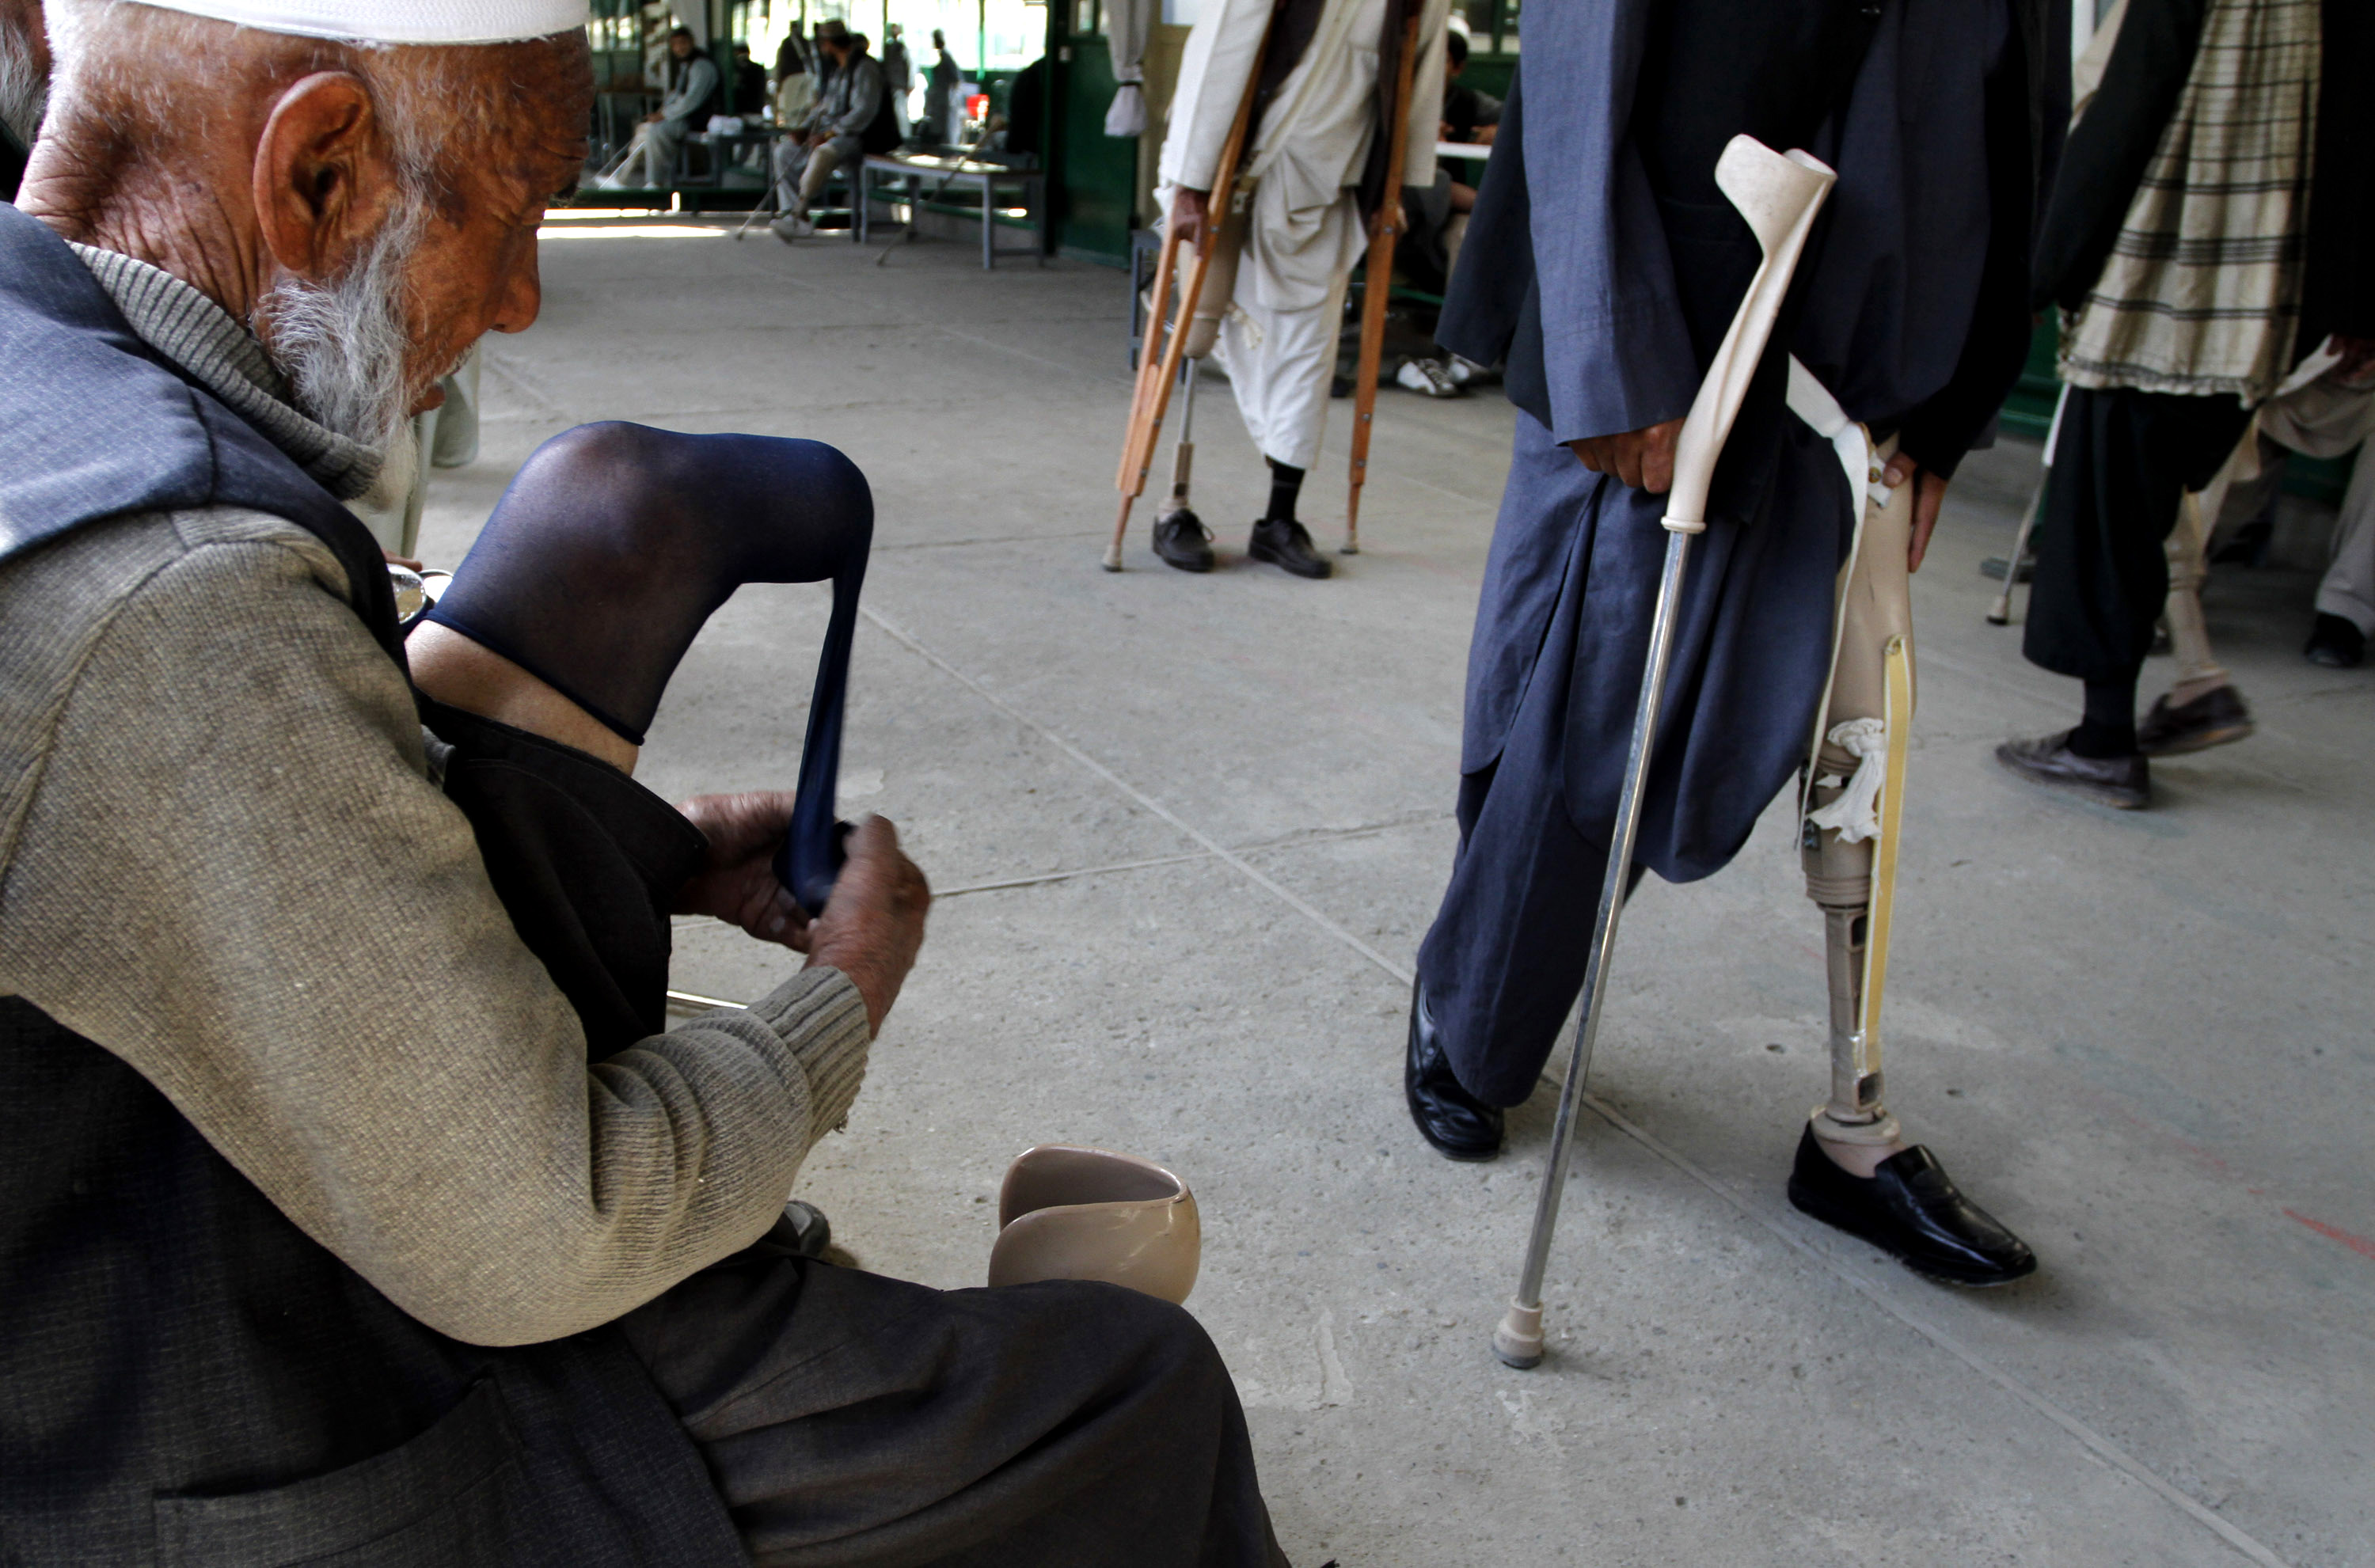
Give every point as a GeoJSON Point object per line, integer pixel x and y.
{"type": "Point", "coordinates": [395, 21]}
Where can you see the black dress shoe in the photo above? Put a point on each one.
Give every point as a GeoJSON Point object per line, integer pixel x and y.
{"type": "Point", "coordinates": [1182, 540]}
{"type": "Point", "coordinates": [1287, 544]}
{"type": "Point", "coordinates": [2123, 782]}
{"type": "Point", "coordinates": [2334, 642]}
{"type": "Point", "coordinates": [2212, 719]}
{"type": "Point", "coordinates": [802, 1229]}
{"type": "Point", "coordinates": [1460, 1126]}
{"type": "Point", "coordinates": [1910, 1209]}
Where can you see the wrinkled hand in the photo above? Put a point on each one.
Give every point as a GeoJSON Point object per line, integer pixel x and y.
{"type": "Point", "coordinates": [736, 883]}
{"type": "Point", "coordinates": [874, 923]}
{"type": "Point", "coordinates": [1191, 214]}
{"type": "Point", "coordinates": [1643, 459]}
{"type": "Point", "coordinates": [1929, 495]}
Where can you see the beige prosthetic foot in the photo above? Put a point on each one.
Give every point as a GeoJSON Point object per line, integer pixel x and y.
{"type": "Point", "coordinates": [1853, 809]}
{"type": "Point", "coordinates": [1072, 1214]}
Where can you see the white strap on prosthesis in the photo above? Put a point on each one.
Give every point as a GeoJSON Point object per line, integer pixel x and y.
{"type": "Point", "coordinates": [1856, 814]}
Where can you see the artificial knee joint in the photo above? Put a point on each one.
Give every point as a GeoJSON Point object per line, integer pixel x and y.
{"type": "Point", "coordinates": [1838, 865]}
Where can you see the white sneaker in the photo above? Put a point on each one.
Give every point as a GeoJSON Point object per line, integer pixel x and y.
{"type": "Point", "coordinates": [609, 183]}
{"type": "Point", "coordinates": [791, 227]}
{"type": "Point", "coordinates": [1426, 378]}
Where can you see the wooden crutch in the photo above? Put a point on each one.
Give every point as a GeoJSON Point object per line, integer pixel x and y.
{"type": "Point", "coordinates": [1150, 397]}
{"type": "Point", "coordinates": [1378, 285]}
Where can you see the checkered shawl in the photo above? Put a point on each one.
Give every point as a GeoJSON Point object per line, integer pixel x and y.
{"type": "Point", "coordinates": [2202, 292]}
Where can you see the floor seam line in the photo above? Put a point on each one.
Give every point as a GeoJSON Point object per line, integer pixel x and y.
{"type": "Point", "coordinates": [2086, 1436]}
{"type": "Point", "coordinates": [1220, 851]}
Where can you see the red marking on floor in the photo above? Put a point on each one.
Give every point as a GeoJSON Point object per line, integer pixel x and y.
{"type": "Point", "coordinates": [2358, 1244]}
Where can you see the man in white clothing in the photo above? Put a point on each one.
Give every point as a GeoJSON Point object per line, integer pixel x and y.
{"type": "Point", "coordinates": [1290, 229]}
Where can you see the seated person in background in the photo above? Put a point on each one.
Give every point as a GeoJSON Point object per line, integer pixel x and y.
{"type": "Point", "coordinates": [1026, 111]}
{"type": "Point", "coordinates": [851, 119]}
{"type": "Point", "coordinates": [695, 92]}
{"type": "Point", "coordinates": [749, 82]}
{"type": "Point", "coordinates": [1469, 115]}
{"type": "Point", "coordinates": [339, 1214]}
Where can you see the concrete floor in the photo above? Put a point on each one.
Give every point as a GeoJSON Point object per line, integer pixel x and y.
{"type": "Point", "coordinates": [1186, 833]}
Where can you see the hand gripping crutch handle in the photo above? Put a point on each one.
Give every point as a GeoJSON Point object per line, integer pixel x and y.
{"type": "Point", "coordinates": [1778, 193]}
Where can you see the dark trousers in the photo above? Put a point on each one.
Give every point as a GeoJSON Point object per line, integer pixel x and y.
{"type": "Point", "coordinates": [848, 1419]}
{"type": "Point", "coordinates": [1554, 676]}
{"type": "Point", "coordinates": [2121, 462]}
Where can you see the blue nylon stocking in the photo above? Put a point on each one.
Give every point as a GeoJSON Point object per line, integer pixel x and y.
{"type": "Point", "coordinates": [614, 545]}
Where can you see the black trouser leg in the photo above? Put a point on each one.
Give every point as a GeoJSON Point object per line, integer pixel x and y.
{"type": "Point", "coordinates": [851, 1418]}
{"type": "Point", "coordinates": [2120, 462]}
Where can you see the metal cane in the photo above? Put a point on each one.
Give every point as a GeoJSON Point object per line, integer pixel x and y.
{"type": "Point", "coordinates": [1778, 195]}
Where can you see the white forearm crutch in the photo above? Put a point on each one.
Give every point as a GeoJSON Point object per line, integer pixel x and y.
{"type": "Point", "coordinates": [1778, 193]}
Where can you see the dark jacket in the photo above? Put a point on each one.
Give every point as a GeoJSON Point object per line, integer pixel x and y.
{"type": "Point", "coordinates": [1607, 266]}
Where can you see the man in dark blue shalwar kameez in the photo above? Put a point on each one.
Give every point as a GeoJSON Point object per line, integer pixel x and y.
{"type": "Point", "coordinates": [1608, 269]}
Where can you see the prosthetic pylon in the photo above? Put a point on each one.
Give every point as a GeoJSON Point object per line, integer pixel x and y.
{"type": "Point", "coordinates": [1182, 456]}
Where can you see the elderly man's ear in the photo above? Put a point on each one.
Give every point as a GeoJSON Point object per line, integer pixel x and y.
{"type": "Point", "coordinates": [325, 175]}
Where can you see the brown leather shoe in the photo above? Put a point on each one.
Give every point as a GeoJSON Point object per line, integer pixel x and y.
{"type": "Point", "coordinates": [2212, 719]}
{"type": "Point", "coordinates": [2123, 782]}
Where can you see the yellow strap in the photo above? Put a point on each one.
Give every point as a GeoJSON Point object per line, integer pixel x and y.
{"type": "Point", "coordinates": [1896, 662]}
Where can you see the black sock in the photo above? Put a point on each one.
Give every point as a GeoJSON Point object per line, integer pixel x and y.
{"type": "Point", "coordinates": [1285, 484]}
{"type": "Point", "coordinates": [2109, 730]}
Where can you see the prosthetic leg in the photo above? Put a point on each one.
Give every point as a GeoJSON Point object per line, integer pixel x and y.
{"type": "Point", "coordinates": [1852, 814]}
{"type": "Point", "coordinates": [1854, 795]}
{"type": "Point", "coordinates": [1203, 331]}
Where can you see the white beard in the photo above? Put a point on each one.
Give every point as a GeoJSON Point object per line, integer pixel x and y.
{"type": "Point", "coordinates": [342, 343]}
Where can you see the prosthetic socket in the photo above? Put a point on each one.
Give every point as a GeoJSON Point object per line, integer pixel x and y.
{"type": "Point", "coordinates": [1853, 804]}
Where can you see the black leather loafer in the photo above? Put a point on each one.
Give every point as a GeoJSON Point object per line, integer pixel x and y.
{"type": "Point", "coordinates": [2334, 642]}
{"type": "Point", "coordinates": [801, 1229]}
{"type": "Point", "coordinates": [1286, 543]}
{"type": "Point", "coordinates": [2212, 719]}
{"type": "Point", "coordinates": [1910, 1210]}
{"type": "Point", "coordinates": [2123, 782]}
{"type": "Point", "coordinates": [1182, 540]}
{"type": "Point", "coordinates": [1460, 1126]}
